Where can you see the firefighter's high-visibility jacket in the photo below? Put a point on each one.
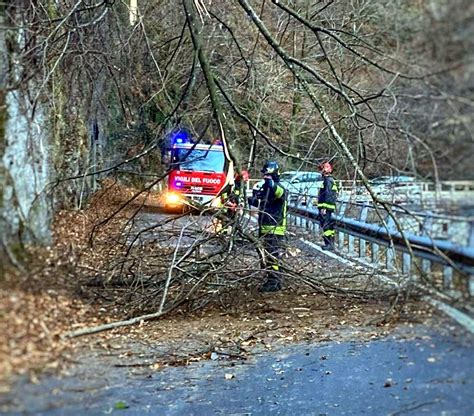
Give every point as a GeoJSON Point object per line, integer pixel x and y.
{"type": "Point", "coordinates": [233, 194]}
{"type": "Point", "coordinates": [328, 193]}
{"type": "Point", "coordinates": [271, 201]}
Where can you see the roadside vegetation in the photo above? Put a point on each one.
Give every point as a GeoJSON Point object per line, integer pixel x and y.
{"type": "Point", "coordinates": [178, 284]}
{"type": "Point", "coordinates": [93, 91]}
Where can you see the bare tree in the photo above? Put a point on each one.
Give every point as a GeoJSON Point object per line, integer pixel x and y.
{"type": "Point", "coordinates": [295, 80]}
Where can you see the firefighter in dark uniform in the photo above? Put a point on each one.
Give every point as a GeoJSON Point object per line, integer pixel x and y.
{"type": "Point", "coordinates": [271, 200]}
{"type": "Point", "coordinates": [233, 195]}
{"type": "Point", "coordinates": [327, 205]}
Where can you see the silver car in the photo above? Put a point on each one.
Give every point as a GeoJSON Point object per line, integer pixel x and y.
{"type": "Point", "coordinates": [396, 188]}
{"type": "Point", "coordinates": [302, 186]}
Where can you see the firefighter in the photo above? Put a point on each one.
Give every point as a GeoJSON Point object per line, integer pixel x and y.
{"type": "Point", "coordinates": [327, 205]}
{"type": "Point", "coordinates": [271, 199]}
{"type": "Point", "coordinates": [232, 195]}
{"type": "Point", "coordinates": [238, 190]}
{"type": "Point", "coordinates": [231, 198]}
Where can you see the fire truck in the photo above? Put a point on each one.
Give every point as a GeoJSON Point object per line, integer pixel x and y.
{"type": "Point", "coordinates": [198, 172]}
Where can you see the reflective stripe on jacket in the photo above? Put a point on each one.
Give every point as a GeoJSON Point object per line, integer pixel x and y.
{"type": "Point", "coordinates": [271, 200]}
{"type": "Point", "coordinates": [328, 193]}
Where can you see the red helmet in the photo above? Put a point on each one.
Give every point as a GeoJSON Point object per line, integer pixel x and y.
{"type": "Point", "coordinates": [243, 175]}
{"type": "Point", "coordinates": [325, 167]}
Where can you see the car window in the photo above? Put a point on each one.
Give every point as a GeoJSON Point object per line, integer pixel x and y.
{"type": "Point", "coordinates": [406, 179]}
{"type": "Point", "coordinates": [287, 176]}
{"type": "Point", "coordinates": [300, 177]}
{"type": "Point", "coordinates": [380, 180]}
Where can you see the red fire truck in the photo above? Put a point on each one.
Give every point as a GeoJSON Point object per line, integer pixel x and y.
{"type": "Point", "coordinates": [198, 172]}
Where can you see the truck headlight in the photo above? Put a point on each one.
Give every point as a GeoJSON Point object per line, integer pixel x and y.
{"type": "Point", "coordinates": [172, 198]}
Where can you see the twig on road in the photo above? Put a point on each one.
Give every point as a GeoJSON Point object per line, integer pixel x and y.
{"type": "Point", "coordinates": [117, 324]}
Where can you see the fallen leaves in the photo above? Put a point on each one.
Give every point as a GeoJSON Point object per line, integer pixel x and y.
{"type": "Point", "coordinates": [35, 309]}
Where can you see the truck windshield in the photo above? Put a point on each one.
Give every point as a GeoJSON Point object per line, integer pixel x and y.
{"type": "Point", "coordinates": [199, 160]}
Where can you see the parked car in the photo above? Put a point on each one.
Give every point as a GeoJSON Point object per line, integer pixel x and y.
{"type": "Point", "coordinates": [396, 188]}
{"type": "Point", "coordinates": [302, 186]}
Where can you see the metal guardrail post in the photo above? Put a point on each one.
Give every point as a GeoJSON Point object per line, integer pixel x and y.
{"type": "Point", "coordinates": [390, 256]}
{"type": "Point", "coordinates": [375, 257]}
{"type": "Point", "coordinates": [406, 263]}
{"type": "Point", "coordinates": [362, 246]}
{"type": "Point", "coordinates": [350, 244]}
{"type": "Point", "coordinates": [340, 234]}
{"type": "Point", "coordinates": [425, 266]}
{"type": "Point", "coordinates": [312, 227]}
{"type": "Point", "coordinates": [470, 278]}
{"type": "Point", "coordinates": [447, 278]}
{"type": "Point", "coordinates": [428, 244]}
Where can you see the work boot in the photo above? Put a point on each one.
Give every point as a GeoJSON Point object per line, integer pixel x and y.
{"type": "Point", "coordinates": [329, 247]}
{"type": "Point", "coordinates": [328, 244]}
{"type": "Point", "coordinates": [270, 286]}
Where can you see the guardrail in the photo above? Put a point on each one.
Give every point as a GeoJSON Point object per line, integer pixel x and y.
{"type": "Point", "coordinates": [426, 195]}
{"type": "Point", "coordinates": [449, 265]}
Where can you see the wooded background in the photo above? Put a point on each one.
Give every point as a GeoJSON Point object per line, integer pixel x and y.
{"type": "Point", "coordinates": [378, 87]}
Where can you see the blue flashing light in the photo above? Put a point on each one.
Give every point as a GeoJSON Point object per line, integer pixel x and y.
{"type": "Point", "coordinates": [180, 136]}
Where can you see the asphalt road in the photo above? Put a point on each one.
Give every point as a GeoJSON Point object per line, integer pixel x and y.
{"type": "Point", "coordinates": [413, 372]}
{"type": "Point", "coordinates": [430, 373]}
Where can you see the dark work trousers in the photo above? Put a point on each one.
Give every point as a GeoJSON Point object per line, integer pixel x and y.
{"type": "Point", "coordinates": [328, 223]}
{"type": "Point", "coordinates": [274, 247]}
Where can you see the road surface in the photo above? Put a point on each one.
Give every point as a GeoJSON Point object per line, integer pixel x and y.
{"type": "Point", "coordinates": [425, 371]}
